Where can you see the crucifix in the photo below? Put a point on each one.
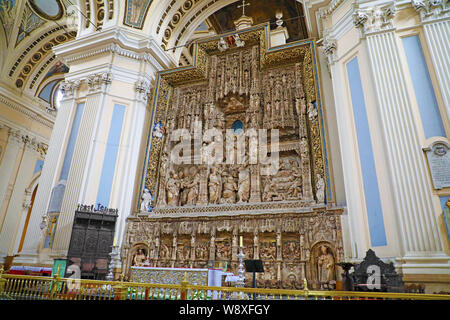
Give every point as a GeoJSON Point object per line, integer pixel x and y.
{"type": "Point", "coordinates": [243, 5]}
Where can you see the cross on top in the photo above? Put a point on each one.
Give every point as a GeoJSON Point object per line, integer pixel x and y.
{"type": "Point", "coordinates": [243, 5]}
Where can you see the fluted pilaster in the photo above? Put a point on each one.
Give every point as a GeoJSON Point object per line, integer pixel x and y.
{"type": "Point", "coordinates": [413, 198]}
{"type": "Point", "coordinates": [74, 182]}
{"type": "Point", "coordinates": [49, 174]}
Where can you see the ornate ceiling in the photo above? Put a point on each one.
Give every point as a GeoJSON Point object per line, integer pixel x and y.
{"type": "Point", "coordinates": [263, 11]}
{"type": "Point", "coordinates": [30, 28]}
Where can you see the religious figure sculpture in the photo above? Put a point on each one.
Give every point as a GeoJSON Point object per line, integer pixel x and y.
{"type": "Point", "coordinates": [139, 258]}
{"type": "Point", "coordinates": [244, 185]}
{"type": "Point", "coordinates": [325, 266]}
{"type": "Point", "coordinates": [269, 190]}
{"type": "Point", "coordinates": [320, 189]}
{"type": "Point", "coordinates": [215, 186]}
{"type": "Point", "coordinates": [312, 111]}
{"type": "Point", "coordinates": [158, 130]}
{"type": "Point", "coordinates": [162, 174]}
{"type": "Point", "coordinates": [192, 187]}
{"type": "Point", "coordinates": [229, 190]}
{"type": "Point", "coordinates": [165, 251]}
{"type": "Point", "coordinates": [146, 204]}
{"type": "Point", "coordinates": [173, 189]}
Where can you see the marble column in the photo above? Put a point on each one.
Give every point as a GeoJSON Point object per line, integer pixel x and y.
{"type": "Point", "coordinates": [436, 26]}
{"type": "Point", "coordinates": [76, 172]}
{"type": "Point", "coordinates": [7, 169]}
{"type": "Point", "coordinates": [53, 160]}
{"type": "Point", "coordinates": [10, 229]}
{"type": "Point", "coordinates": [420, 234]}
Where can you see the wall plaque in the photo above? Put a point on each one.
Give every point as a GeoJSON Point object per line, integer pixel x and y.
{"type": "Point", "coordinates": [438, 156]}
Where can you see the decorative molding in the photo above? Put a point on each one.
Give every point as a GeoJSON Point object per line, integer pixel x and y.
{"type": "Point", "coordinates": [326, 11]}
{"type": "Point", "coordinates": [115, 40]}
{"type": "Point", "coordinates": [374, 19]}
{"type": "Point", "coordinates": [24, 110]}
{"type": "Point", "coordinates": [30, 141]}
{"type": "Point", "coordinates": [432, 10]}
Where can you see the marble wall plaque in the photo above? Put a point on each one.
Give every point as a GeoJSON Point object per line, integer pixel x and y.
{"type": "Point", "coordinates": [438, 156]}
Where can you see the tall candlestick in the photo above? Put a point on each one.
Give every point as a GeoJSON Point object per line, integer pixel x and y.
{"type": "Point", "coordinates": [241, 243]}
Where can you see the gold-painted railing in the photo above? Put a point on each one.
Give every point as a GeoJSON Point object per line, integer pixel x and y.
{"type": "Point", "coordinates": [19, 287]}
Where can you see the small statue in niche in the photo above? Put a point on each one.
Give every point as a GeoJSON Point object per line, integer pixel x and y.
{"type": "Point", "coordinates": [139, 258]}
{"type": "Point", "coordinates": [320, 189]}
{"type": "Point", "coordinates": [325, 265]}
{"type": "Point", "coordinates": [312, 111]}
{"type": "Point", "coordinates": [158, 130]}
{"type": "Point", "coordinates": [146, 204]}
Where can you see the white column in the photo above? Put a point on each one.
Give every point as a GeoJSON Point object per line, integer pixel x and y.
{"type": "Point", "coordinates": [7, 170]}
{"type": "Point", "coordinates": [355, 239]}
{"type": "Point", "coordinates": [49, 173]}
{"type": "Point", "coordinates": [436, 25]}
{"type": "Point", "coordinates": [14, 212]}
{"type": "Point", "coordinates": [413, 197]}
{"type": "Point", "coordinates": [130, 176]}
{"type": "Point", "coordinates": [74, 180]}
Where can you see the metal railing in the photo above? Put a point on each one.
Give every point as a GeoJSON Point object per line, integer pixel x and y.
{"type": "Point", "coordinates": [21, 287]}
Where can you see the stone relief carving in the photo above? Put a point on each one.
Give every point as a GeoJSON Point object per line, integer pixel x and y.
{"type": "Point", "coordinates": [290, 245]}
{"type": "Point", "coordinates": [202, 209]}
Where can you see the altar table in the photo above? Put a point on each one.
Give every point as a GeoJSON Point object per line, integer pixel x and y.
{"type": "Point", "coordinates": [199, 277]}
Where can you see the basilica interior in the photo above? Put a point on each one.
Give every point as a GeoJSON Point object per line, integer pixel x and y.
{"type": "Point", "coordinates": [305, 134]}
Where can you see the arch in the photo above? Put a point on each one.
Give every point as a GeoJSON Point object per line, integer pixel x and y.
{"type": "Point", "coordinates": [313, 261]}
{"type": "Point", "coordinates": [130, 255]}
{"type": "Point", "coordinates": [190, 22]}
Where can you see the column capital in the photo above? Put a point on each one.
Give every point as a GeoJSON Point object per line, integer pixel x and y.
{"type": "Point", "coordinates": [69, 88]}
{"type": "Point", "coordinates": [99, 82]}
{"type": "Point", "coordinates": [329, 46]}
{"type": "Point", "coordinates": [15, 136]}
{"type": "Point", "coordinates": [143, 89]}
{"type": "Point", "coordinates": [29, 141]}
{"type": "Point", "coordinates": [374, 19]}
{"type": "Point", "coordinates": [432, 10]}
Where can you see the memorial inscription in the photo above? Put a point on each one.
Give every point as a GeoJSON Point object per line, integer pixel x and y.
{"type": "Point", "coordinates": [438, 156]}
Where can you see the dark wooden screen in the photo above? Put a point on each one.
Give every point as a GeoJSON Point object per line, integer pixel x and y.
{"type": "Point", "coordinates": [91, 241]}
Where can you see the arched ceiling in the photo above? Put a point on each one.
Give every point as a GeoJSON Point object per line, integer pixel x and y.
{"type": "Point", "coordinates": [29, 31]}
{"type": "Point", "coordinates": [30, 28]}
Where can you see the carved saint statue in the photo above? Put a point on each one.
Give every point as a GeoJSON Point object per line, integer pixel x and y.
{"type": "Point", "coordinates": [229, 190]}
{"type": "Point", "coordinates": [320, 189]}
{"type": "Point", "coordinates": [173, 189]}
{"type": "Point", "coordinates": [215, 186]}
{"type": "Point", "coordinates": [139, 258]}
{"type": "Point", "coordinates": [244, 185]}
{"type": "Point", "coordinates": [192, 186]}
{"type": "Point", "coordinates": [325, 266]}
{"type": "Point", "coordinates": [146, 204]}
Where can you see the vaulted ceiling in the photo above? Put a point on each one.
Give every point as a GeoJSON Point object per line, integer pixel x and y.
{"type": "Point", "coordinates": [30, 28]}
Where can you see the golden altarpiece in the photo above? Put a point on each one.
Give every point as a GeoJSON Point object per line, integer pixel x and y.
{"type": "Point", "coordinates": [200, 211]}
